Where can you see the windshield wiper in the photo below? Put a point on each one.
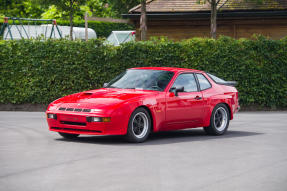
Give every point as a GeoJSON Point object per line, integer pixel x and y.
{"type": "Point", "coordinates": [111, 87]}
{"type": "Point", "coordinates": [156, 88]}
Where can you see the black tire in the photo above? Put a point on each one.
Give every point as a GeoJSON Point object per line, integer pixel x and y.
{"type": "Point", "coordinates": [68, 135]}
{"type": "Point", "coordinates": [140, 119]}
{"type": "Point", "coordinates": [216, 127]}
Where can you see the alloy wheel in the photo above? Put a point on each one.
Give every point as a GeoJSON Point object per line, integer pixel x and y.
{"type": "Point", "coordinates": [220, 119]}
{"type": "Point", "coordinates": [140, 125]}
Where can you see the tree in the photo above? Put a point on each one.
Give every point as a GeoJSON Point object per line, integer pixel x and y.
{"type": "Point", "coordinates": [123, 6]}
{"type": "Point", "coordinates": [215, 6]}
{"type": "Point", "coordinates": [70, 6]}
{"type": "Point", "coordinates": [143, 21]}
{"type": "Point", "coordinates": [100, 8]}
{"type": "Point", "coordinates": [20, 8]}
{"type": "Point", "coordinates": [213, 17]}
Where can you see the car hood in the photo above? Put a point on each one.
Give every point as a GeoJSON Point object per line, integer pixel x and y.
{"type": "Point", "coordinates": [101, 99]}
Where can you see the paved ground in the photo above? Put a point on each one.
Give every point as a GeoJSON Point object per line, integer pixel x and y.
{"type": "Point", "coordinates": [251, 156]}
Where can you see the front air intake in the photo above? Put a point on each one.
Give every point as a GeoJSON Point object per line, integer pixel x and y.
{"type": "Point", "coordinates": [73, 123]}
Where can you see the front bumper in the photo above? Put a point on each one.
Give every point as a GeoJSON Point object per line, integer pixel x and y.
{"type": "Point", "coordinates": [76, 123]}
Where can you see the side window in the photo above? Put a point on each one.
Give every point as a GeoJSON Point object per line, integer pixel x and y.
{"type": "Point", "coordinates": [203, 82]}
{"type": "Point", "coordinates": [187, 81]}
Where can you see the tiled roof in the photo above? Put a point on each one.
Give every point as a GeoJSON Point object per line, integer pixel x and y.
{"type": "Point", "coordinates": [194, 6]}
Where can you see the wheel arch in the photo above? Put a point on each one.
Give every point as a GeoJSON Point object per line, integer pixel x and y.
{"type": "Point", "coordinates": [208, 116]}
{"type": "Point", "coordinates": [229, 110]}
{"type": "Point", "coordinates": [150, 114]}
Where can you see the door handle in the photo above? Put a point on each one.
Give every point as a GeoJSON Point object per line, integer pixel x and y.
{"type": "Point", "coordinates": [198, 98]}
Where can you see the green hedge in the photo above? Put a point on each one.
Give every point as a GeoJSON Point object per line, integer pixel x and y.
{"type": "Point", "coordinates": [103, 29]}
{"type": "Point", "coordinates": [41, 71]}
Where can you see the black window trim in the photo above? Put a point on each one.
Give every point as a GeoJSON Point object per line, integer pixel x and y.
{"type": "Point", "coordinates": [196, 80]}
{"type": "Point", "coordinates": [206, 79]}
{"type": "Point", "coordinates": [207, 73]}
{"type": "Point", "coordinates": [226, 83]}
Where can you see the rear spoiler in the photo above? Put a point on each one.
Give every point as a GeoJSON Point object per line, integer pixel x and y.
{"type": "Point", "coordinates": [229, 83]}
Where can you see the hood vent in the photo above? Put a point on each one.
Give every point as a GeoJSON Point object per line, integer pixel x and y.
{"type": "Point", "coordinates": [74, 109]}
{"type": "Point", "coordinates": [88, 93]}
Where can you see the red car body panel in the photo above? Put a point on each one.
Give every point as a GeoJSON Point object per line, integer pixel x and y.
{"type": "Point", "coordinates": [168, 112]}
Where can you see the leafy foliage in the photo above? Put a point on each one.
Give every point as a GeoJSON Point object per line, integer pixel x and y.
{"type": "Point", "coordinates": [122, 6]}
{"type": "Point", "coordinates": [65, 7]}
{"type": "Point", "coordinates": [20, 8]}
{"type": "Point", "coordinates": [33, 71]}
{"type": "Point", "coordinates": [100, 8]}
{"type": "Point", "coordinates": [55, 9]}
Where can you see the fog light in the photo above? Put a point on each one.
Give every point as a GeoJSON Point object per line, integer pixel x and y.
{"type": "Point", "coordinates": [98, 119]}
{"type": "Point", "coordinates": [52, 116]}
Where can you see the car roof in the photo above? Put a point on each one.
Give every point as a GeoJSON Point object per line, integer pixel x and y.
{"type": "Point", "coordinates": [172, 69]}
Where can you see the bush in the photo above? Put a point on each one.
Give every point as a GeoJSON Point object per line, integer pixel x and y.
{"type": "Point", "coordinates": [34, 71]}
{"type": "Point", "coordinates": [103, 29]}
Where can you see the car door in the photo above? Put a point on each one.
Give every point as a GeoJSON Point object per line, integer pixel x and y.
{"type": "Point", "coordinates": [186, 109]}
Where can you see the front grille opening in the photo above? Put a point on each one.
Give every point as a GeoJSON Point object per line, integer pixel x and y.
{"type": "Point", "coordinates": [77, 130]}
{"type": "Point", "coordinates": [62, 108]}
{"type": "Point", "coordinates": [78, 110]}
{"type": "Point", "coordinates": [73, 123]}
{"type": "Point", "coordinates": [70, 109]}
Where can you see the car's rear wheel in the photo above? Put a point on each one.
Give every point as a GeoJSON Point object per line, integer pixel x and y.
{"type": "Point", "coordinates": [139, 126]}
{"type": "Point", "coordinates": [69, 135]}
{"type": "Point", "coordinates": [219, 120]}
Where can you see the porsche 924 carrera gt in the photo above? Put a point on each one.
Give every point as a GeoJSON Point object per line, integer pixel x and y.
{"type": "Point", "coordinates": [144, 100]}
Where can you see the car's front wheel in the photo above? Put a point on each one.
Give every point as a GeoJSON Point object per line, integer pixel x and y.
{"type": "Point", "coordinates": [139, 126]}
{"type": "Point", "coordinates": [219, 120]}
{"type": "Point", "coordinates": [68, 135]}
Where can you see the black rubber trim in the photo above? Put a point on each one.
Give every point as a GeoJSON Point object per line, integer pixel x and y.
{"type": "Point", "coordinates": [79, 130]}
{"type": "Point", "coordinates": [73, 123]}
{"type": "Point", "coordinates": [228, 83]}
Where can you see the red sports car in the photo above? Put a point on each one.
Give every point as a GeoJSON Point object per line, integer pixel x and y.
{"type": "Point", "coordinates": [144, 100]}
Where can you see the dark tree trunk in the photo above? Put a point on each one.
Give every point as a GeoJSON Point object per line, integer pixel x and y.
{"type": "Point", "coordinates": [213, 25]}
{"type": "Point", "coordinates": [71, 19]}
{"type": "Point", "coordinates": [143, 21]}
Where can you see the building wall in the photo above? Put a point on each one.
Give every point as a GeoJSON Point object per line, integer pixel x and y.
{"type": "Point", "coordinates": [237, 28]}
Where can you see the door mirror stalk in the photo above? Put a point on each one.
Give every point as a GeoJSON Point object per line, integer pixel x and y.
{"type": "Point", "coordinates": [105, 85]}
{"type": "Point", "coordinates": [175, 90]}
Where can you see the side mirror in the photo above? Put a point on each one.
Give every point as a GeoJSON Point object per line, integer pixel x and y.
{"type": "Point", "coordinates": [105, 85]}
{"type": "Point", "coordinates": [175, 90]}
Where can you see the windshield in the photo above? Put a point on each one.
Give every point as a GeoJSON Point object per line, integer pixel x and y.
{"type": "Point", "coordinates": [142, 79]}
